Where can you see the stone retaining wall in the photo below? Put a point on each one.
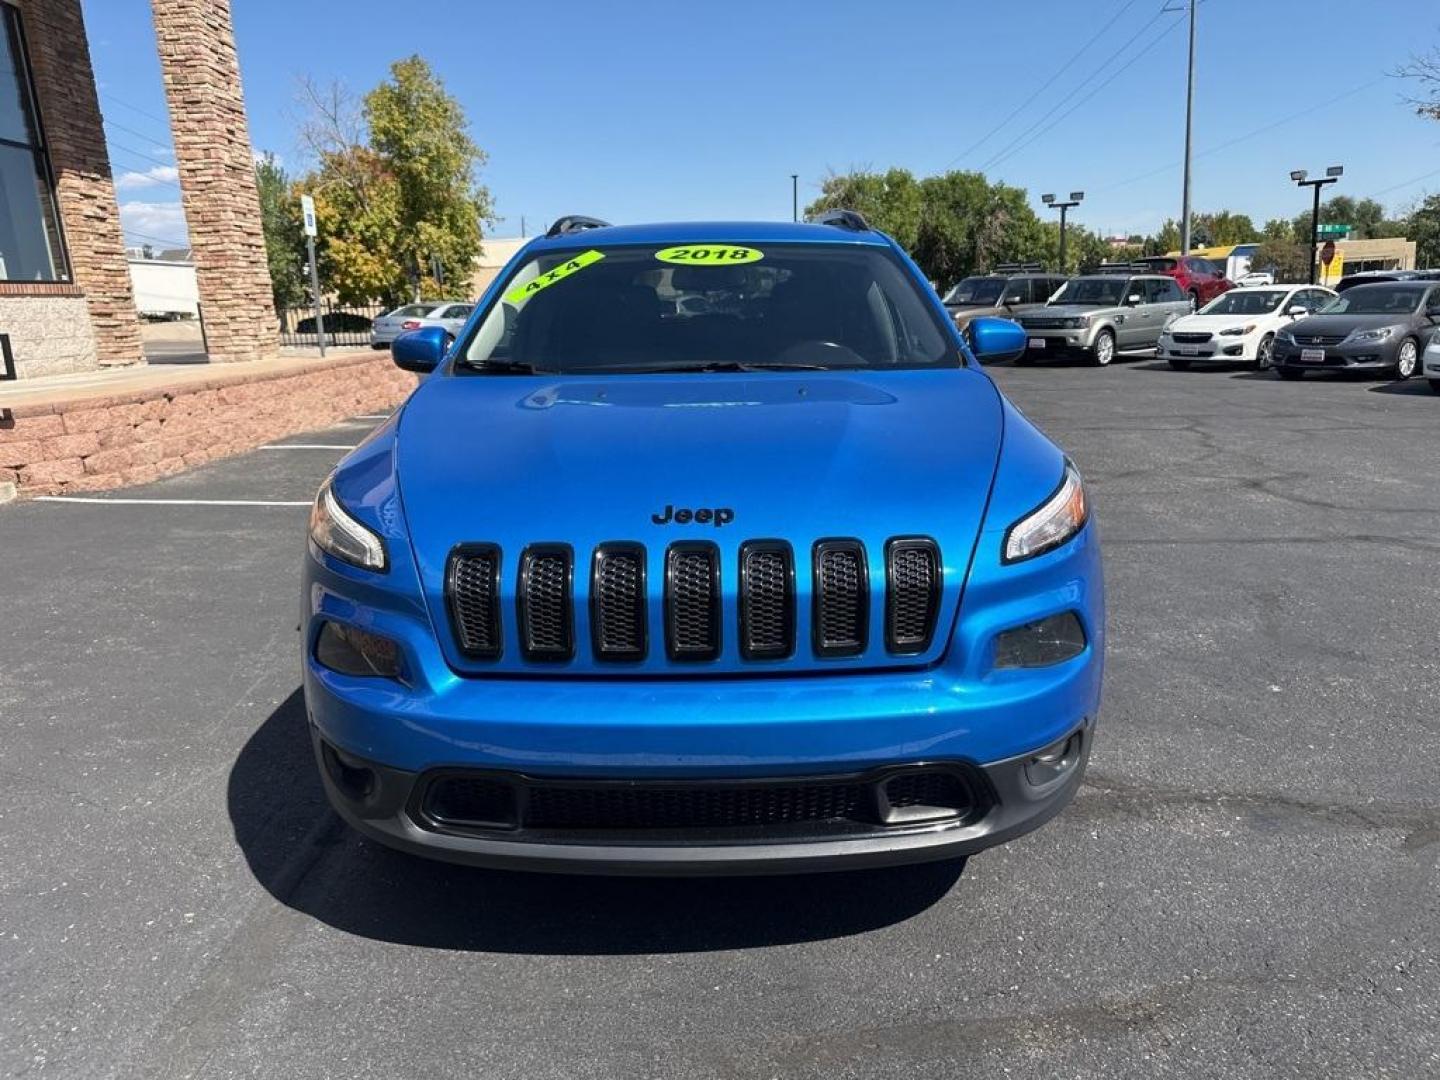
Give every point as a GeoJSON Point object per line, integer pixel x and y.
{"type": "Point", "coordinates": [93, 444]}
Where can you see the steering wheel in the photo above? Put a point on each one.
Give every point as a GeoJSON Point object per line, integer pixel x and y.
{"type": "Point", "coordinates": [821, 353]}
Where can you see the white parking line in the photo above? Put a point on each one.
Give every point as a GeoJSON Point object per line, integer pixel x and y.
{"type": "Point", "coordinates": [161, 502]}
{"type": "Point", "coordinates": [307, 446]}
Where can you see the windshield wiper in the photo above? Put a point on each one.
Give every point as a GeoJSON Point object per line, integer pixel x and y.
{"type": "Point", "coordinates": [504, 367]}
{"type": "Point", "coordinates": [736, 365]}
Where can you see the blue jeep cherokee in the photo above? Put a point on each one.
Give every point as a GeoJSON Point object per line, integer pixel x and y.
{"type": "Point", "coordinates": [705, 548]}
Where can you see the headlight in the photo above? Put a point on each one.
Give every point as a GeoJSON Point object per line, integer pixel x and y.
{"type": "Point", "coordinates": [1379, 334]}
{"type": "Point", "coordinates": [1286, 336]}
{"type": "Point", "coordinates": [1078, 322]}
{"type": "Point", "coordinates": [1058, 519]}
{"type": "Point", "coordinates": [1238, 331]}
{"type": "Point", "coordinates": [336, 533]}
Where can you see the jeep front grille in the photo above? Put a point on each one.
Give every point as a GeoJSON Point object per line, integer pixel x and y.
{"type": "Point", "coordinates": [912, 594]}
{"type": "Point", "coordinates": [842, 597]}
{"type": "Point", "coordinates": [543, 603]}
{"type": "Point", "coordinates": [691, 603]}
{"type": "Point", "coordinates": [618, 624]}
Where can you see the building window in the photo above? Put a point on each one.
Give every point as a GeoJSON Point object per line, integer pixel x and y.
{"type": "Point", "coordinates": [30, 247]}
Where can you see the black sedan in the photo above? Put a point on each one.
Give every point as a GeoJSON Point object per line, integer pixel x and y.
{"type": "Point", "coordinates": [1380, 327]}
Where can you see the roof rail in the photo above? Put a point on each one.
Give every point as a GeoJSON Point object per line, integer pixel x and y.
{"type": "Point", "coordinates": [574, 223]}
{"type": "Point", "coordinates": [841, 219]}
{"type": "Point", "coordinates": [1018, 268]}
{"type": "Point", "coordinates": [1121, 268]}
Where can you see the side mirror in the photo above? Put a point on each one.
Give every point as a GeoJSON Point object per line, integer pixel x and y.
{"type": "Point", "coordinates": [1296, 311]}
{"type": "Point", "coordinates": [995, 339]}
{"type": "Point", "coordinates": [1132, 299]}
{"type": "Point", "coordinates": [419, 350]}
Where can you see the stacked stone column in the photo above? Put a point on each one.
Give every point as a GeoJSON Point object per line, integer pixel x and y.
{"type": "Point", "coordinates": [217, 176]}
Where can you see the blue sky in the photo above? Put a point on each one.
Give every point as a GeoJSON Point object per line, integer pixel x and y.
{"type": "Point", "coordinates": [642, 111]}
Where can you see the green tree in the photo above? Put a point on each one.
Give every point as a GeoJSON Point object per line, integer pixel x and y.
{"type": "Point", "coordinates": [284, 235]}
{"type": "Point", "coordinates": [890, 201]}
{"type": "Point", "coordinates": [1422, 225]}
{"type": "Point", "coordinates": [1166, 240]}
{"type": "Point", "coordinates": [395, 187]}
{"type": "Point", "coordinates": [1364, 216]}
{"type": "Point", "coordinates": [1278, 230]}
{"type": "Point", "coordinates": [1225, 227]}
{"type": "Point", "coordinates": [1287, 259]}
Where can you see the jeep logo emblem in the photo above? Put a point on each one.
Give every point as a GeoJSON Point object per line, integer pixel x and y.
{"type": "Point", "coordinates": [720, 516]}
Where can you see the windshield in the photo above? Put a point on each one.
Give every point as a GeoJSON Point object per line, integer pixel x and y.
{"type": "Point", "coordinates": [1260, 302]}
{"type": "Point", "coordinates": [977, 290]}
{"type": "Point", "coordinates": [413, 311]}
{"type": "Point", "coordinates": [1091, 290]}
{"type": "Point", "coordinates": [699, 307]}
{"type": "Point", "coordinates": [1376, 300]}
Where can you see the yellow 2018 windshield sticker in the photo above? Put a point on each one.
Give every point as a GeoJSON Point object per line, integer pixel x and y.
{"type": "Point", "coordinates": [709, 255]}
{"type": "Point", "coordinates": [521, 293]}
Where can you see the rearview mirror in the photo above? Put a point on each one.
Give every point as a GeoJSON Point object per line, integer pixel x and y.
{"type": "Point", "coordinates": [1132, 299]}
{"type": "Point", "coordinates": [1296, 311]}
{"type": "Point", "coordinates": [995, 339]}
{"type": "Point", "coordinates": [419, 350]}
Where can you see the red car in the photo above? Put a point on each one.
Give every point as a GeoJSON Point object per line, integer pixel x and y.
{"type": "Point", "coordinates": [1200, 279]}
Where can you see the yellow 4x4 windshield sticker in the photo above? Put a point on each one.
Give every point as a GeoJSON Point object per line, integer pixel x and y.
{"type": "Point", "coordinates": [709, 255]}
{"type": "Point", "coordinates": [521, 293]}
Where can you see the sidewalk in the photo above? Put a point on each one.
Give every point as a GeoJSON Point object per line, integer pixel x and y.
{"type": "Point", "coordinates": [106, 429]}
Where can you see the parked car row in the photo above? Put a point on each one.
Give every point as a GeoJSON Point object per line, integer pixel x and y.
{"type": "Point", "coordinates": [451, 314]}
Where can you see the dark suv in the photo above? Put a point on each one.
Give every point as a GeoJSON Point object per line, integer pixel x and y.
{"type": "Point", "coordinates": [1003, 292]}
{"type": "Point", "coordinates": [1200, 278]}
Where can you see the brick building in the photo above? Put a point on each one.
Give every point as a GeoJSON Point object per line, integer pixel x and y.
{"type": "Point", "coordinates": [66, 301]}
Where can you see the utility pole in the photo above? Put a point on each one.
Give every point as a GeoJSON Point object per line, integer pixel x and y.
{"type": "Point", "coordinates": [1332, 175]}
{"type": "Point", "coordinates": [1189, 114]}
{"type": "Point", "coordinates": [1074, 200]}
{"type": "Point", "coordinates": [307, 212]}
{"type": "Point", "coordinates": [794, 196]}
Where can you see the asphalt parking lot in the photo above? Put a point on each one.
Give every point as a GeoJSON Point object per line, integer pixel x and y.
{"type": "Point", "coordinates": [1248, 886]}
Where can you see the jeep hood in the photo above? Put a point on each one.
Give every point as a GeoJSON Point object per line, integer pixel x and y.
{"type": "Point", "coordinates": [514, 461]}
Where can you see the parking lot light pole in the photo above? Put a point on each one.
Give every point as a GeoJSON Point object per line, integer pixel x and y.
{"type": "Point", "coordinates": [1332, 174]}
{"type": "Point", "coordinates": [1049, 200]}
{"type": "Point", "coordinates": [794, 196]}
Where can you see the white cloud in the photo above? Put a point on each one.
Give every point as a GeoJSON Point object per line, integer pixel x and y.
{"type": "Point", "coordinates": [157, 174]}
{"type": "Point", "coordinates": [160, 224]}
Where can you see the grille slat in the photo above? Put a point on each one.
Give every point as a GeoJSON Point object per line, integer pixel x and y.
{"type": "Point", "coordinates": [912, 595]}
{"type": "Point", "coordinates": [692, 601]}
{"type": "Point", "coordinates": [618, 624]}
{"type": "Point", "coordinates": [841, 584]}
{"type": "Point", "coordinates": [472, 591]}
{"type": "Point", "coordinates": [544, 603]}
{"type": "Point", "coordinates": [767, 600]}
{"type": "Point", "coordinates": [1189, 338]}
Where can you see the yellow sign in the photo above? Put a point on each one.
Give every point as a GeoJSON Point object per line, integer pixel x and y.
{"type": "Point", "coordinates": [521, 293]}
{"type": "Point", "coordinates": [1332, 271]}
{"type": "Point", "coordinates": [709, 255]}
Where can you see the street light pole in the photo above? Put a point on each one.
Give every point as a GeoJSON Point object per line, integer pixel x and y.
{"type": "Point", "coordinates": [1074, 200]}
{"type": "Point", "coordinates": [1332, 175]}
{"type": "Point", "coordinates": [1189, 114]}
{"type": "Point", "coordinates": [794, 196]}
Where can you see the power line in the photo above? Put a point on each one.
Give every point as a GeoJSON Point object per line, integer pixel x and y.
{"type": "Point", "coordinates": [136, 109]}
{"type": "Point", "coordinates": [1248, 135]}
{"type": "Point", "coordinates": [138, 134]}
{"type": "Point", "coordinates": [1406, 183]}
{"type": "Point", "coordinates": [167, 241]}
{"type": "Point", "coordinates": [1043, 86]}
{"type": "Point", "coordinates": [1009, 153]}
{"type": "Point", "coordinates": [1020, 139]}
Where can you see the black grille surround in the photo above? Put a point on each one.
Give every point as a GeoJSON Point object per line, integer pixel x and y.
{"type": "Point", "coordinates": [693, 600]}
{"type": "Point", "coordinates": [690, 603]}
{"type": "Point", "coordinates": [913, 573]}
{"type": "Point", "coordinates": [619, 623]}
{"type": "Point", "coordinates": [472, 597]}
{"type": "Point", "coordinates": [889, 799]}
{"type": "Point", "coordinates": [544, 602]}
{"type": "Point", "coordinates": [1189, 338]}
{"type": "Point", "coordinates": [767, 600]}
{"type": "Point", "coordinates": [840, 597]}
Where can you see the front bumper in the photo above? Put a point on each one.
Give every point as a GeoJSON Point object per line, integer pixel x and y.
{"type": "Point", "coordinates": [388, 806]}
{"type": "Point", "coordinates": [1058, 342]}
{"type": "Point", "coordinates": [1220, 348]}
{"type": "Point", "coordinates": [1360, 356]}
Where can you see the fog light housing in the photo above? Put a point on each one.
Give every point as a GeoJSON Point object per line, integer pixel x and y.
{"type": "Point", "coordinates": [354, 779]}
{"type": "Point", "coordinates": [1055, 761]}
{"type": "Point", "coordinates": [1051, 640]}
{"type": "Point", "coordinates": [349, 650]}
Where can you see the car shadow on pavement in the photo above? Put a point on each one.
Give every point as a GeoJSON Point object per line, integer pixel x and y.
{"type": "Point", "coordinates": [1408, 388]}
{"type": "Point", "coordinates": [1210, 367]}
{"type": "Point", "coordinates": [308, 859]}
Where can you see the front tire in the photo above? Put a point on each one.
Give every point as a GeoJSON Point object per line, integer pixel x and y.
{"type": "Point", "coordinates": [1103, 351]}
{"type": "Point", "coordinates": [1407, 359]}
{"type": "Point", "coordinates": [1265, 353]}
